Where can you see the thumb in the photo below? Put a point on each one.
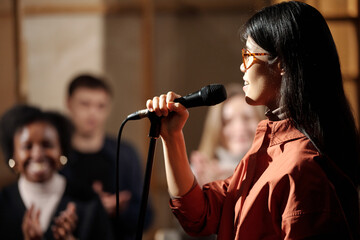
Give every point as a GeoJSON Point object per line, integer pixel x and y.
{"type": "Point", "coordinates": [98, 187]}
{"type": "Point", "coordinates": [71, 207]}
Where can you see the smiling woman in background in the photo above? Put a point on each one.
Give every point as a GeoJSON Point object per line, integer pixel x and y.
{"type": "Point", "coordinates": [42, 204]}
{"type": "Point", "coordinates": [228, 133]}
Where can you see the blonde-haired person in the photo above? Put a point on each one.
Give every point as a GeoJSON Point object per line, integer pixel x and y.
{"type": "Point", "coordinates": [228, 132]}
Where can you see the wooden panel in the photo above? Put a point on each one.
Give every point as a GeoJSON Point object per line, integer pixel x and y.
{"type": "Point", "coordinates": [8, 86]}
{"type": "Point", "coordinates": [8, 90]}
{"type": "Point", "coordinates": [111, 7]}
{"type": "Point", "coordinates": [345, 37]}
{"type": "Point", "coordinates": [76, 7]}
{"type": "Point", "coordinates": [332, 8]}
{"type": "Point", "coordinates": [336, 8]}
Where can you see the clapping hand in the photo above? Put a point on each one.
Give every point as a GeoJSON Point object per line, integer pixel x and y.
{"type": "Point", "coordinates": [109, 200]}
{"type": "Point", "coordinates": [65, 223]}
{"type": "Point", "coordinates": [31, 224]}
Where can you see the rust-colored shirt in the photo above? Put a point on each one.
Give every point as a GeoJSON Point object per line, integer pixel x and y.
{"type": "Point", "coordinates": [277, 191]}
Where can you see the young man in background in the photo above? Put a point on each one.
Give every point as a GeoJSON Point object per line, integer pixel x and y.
{"type": "Point", "coordinates": [93, 158]}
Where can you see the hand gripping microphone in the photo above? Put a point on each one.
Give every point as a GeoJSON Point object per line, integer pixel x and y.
{"type": "Point", "coordinates": [207, 96]}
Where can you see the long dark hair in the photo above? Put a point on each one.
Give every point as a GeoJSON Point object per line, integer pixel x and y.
{"type": "Point", "coordinates": [312, 91]}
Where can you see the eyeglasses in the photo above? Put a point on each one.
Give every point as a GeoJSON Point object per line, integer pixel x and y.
{"type": "Point", "coordinates": [246, 54]}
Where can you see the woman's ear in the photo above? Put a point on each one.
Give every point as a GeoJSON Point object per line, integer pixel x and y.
{"type": "Point", "coordinates": [281, 68]}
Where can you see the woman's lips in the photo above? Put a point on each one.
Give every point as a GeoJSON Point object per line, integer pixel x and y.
{"type": "Point", "coordinates": [38, 167]}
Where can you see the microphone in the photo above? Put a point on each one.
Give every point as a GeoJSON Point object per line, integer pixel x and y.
{"type": "Point", "coordinates": [207, 96]}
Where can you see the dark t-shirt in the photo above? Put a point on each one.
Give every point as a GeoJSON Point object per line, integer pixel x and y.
{"type": "Point", "coordinates": [91, 167]}
{"type": "Point", "coordinates": [86, 168]}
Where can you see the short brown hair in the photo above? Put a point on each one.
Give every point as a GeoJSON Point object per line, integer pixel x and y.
{"type": "Point", "coordinates": [88, 81]}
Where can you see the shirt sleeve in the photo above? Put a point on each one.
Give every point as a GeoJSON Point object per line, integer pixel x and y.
{"type": "Point", "coordinates": [199, 210]}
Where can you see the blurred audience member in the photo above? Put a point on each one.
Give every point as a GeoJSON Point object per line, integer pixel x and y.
{"type": "Point", "coordinates": [228, 133]}
{"type": "Point", "coordinates": [93, 158]}
{"type": "Point", "coordinates": [42, 204]}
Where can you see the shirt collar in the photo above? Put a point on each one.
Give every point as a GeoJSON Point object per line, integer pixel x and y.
{"type": "Point", "coordinates": [276, 115]}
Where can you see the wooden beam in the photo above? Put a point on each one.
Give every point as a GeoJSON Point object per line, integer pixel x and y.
{"type": "Point", "coordinates": [20, 80]}
{"type": "Point", "coordinates": [210, 6]}
{"type": "Point", "coordinates": [147, 29]}
{"type": "Point", "coordinates": [5, 14]}
{"type": "Point", "coordinates": [357, 22]}
{"type": "Point", "coordinates": [165, 6]}
{"type": "Point", "coordinates": [99, 8]}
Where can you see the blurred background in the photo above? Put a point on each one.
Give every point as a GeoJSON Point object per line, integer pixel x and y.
{"type": "Point", "coordinates": [144, 48]}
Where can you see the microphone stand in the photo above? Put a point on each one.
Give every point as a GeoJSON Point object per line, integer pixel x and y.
{"type": "Point", "coordinates": [154, 134]}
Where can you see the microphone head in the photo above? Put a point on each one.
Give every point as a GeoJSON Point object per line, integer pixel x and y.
{"type": "Point", "coordinates": [207, 96]}
{"type": "Point", "coordinates": [213, 94]}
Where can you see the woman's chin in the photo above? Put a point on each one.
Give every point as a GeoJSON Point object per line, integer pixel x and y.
{"type": "Point", "coordinates": [249, 100]}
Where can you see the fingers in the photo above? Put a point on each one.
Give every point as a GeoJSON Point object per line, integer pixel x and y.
{"type": "Point", "coordinates": [71, 207]}
{"type": "Point", "coordinates": [27, 214]}
{"type": "Point", "coordinates": [164, 104]}
{"type": "Point", "coordinates": [124, 199]}
{"type": "Point", "coordinates": [62, 229]}
{"type": "Point", "coordinates": [98, 187]}
{"type": "Point", "coordinates": [58, 232]}
{"type": "Point", "coordinates": [37, 216]}
{"type": "Point", "coordinates": [109, 201]}
{"type": "Point", "coordinates": [31, 224]}
{"type": "Point", "coordinates": [124, 196]}
{"type": "Point", "coordinates": [69, 216]}
{"type": "Point", "coordinates": [158, 105]}
{"type": "Point", "coordinates": [171, 105]}
{"type": "Point", "coordinates": [65, 223]}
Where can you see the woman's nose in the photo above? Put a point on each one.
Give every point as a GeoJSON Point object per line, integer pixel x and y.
{"type": "Point", "coordinates": [37, 152]}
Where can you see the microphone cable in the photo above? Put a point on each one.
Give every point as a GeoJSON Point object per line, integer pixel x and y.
{"type": "Point", "coordinates": [117, 168]}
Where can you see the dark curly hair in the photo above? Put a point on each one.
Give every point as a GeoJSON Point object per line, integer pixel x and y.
{"type": "Point", "coordinates": [21, 115]}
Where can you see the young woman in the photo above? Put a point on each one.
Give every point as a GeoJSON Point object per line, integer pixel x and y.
{"type": "Point", "coordinates": [42, 204]}
{"type": "Point", "coordinates": [299, 178]}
